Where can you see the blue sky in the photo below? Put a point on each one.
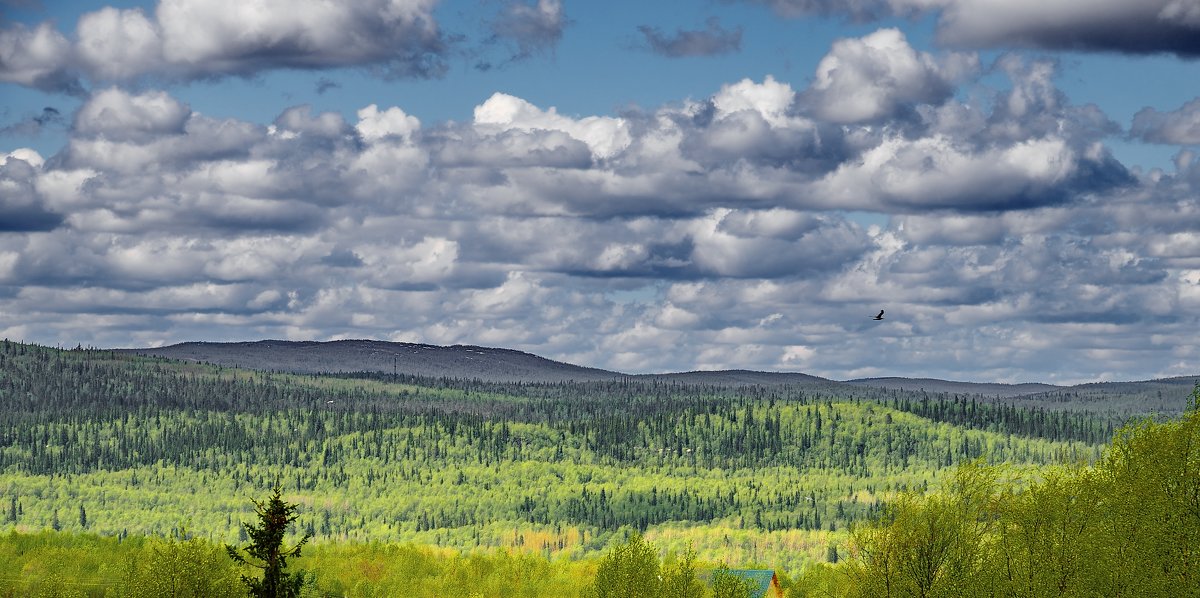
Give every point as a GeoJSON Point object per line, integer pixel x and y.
{"type": "Point", "coordinates": [635, 186]}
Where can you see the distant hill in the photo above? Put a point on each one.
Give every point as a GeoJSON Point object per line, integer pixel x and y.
{"type": "Point", "coordinates": [935, 385]}
{"type": "Point", "coordinates": [506, 365]}
{"type": "Point", "coordinates": [311, 357]}
{"type": "Point", "coordinates": [457, 361]}
{"type": "Point", "coordinates": [737, 378]}
{"type": "Point", "coordinates": [1164, 395]}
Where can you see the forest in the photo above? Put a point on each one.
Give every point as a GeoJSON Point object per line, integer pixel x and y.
{"type": "Point", "coordinates": [120, 466]}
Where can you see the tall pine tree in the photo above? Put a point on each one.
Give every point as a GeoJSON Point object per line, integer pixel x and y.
{"type": "Point", "coordinates": [266, 549]}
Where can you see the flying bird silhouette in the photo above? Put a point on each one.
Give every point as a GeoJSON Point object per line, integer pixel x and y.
{"type": "Point", "coordinates": [880, 316]}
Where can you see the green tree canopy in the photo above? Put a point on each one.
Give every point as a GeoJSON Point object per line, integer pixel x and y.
{"type": "Point", "coordinates": [725, 584]}
{"type": "Point", "coordinates": [629, 570]}
{"type": "Point", "coordinates": [1127, 526]}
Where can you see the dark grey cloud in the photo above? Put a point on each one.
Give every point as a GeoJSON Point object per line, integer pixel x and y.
{"type": "Point", "coordinates": [938, 174]}
{"type": "Point", "coordinates": [34, 124]}
{"type": "Point", "coordinates": [325, 84]}
{"type": "Point", "coordinates": [22, 209]}
{"type": "Point", "coordinates": [710, 41]}
{"type": "Point", "coordinates": [1065, 265]}
{"type": "Point", "coordinates": [723, 243]}
{"type": "Point", "coordinates": [1143, 27]}
{"type": "Point", "coordinates": [27, 218]}
{"type": "Point", "coordinates": [858, 10]}
{"type": "Point", "coordinates": [342, 258]}
{"type": "Point", "coordinates": [301, 120]}
{"type": "Point", "coordinates": [1146, 27]}
{"type": "Point", "coordinates": [49, 115]}
{"type": "Point", "coordinates": [529, 28]}
{"type": "Point", "coordinates": [774, 244]}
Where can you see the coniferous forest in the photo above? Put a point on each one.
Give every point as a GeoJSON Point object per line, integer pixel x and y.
{"type": "Point", "coordinates": [120, 474]}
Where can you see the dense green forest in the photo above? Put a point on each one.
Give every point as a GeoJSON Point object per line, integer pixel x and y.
{"type": "Point", "coordinates": [124, 452]}
{"type": "Point", "coordinates": [1127, 526]}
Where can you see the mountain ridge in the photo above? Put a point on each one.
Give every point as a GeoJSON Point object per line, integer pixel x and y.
{"type": "Point", "coordinates": [954, 386]}
{"type": "Point", "coordinates": [362, 355]}
{"type": "Point", "coordinates": [498, 364]}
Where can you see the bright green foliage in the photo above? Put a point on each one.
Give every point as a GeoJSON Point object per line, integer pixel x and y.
{"type": "Point", "coordinates": [679, 576]}
{"type": "Point", "coordinates": [820, 580]}
{"type": "Point", "coordinates": [387, 570]}
{"type": "Point", "coordinates": [727, 585]}
{"type": "Point", "coordinates": [1129, 526]}
{"type": "Point", "coordinates": [931, 546]}
{"type": "Point", "coordinates": [631, 569]}
{"type": "Point", "coordinates": [771, 474]}
{"type": "Point", "coordinates": [537, 478]}
{"type": "Point", "coordinates": [183, 568]}
{"type": "Point", "coordinates": [65, 564]}
{"type": "Point", "coordinates": [1151, 483]}
{"type": "Point", "coordinates": [267, 552]}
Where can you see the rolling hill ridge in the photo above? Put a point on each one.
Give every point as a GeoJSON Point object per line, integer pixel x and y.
{"type": "Point", "coordinates": [491, 364]}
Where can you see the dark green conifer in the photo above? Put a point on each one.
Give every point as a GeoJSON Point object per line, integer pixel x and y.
{"type": "Point", "coordinates": [266, 550]}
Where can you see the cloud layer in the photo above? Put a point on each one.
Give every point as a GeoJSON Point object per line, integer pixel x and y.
{"type": "Point", "coordinates": [1142, 27]}
{"type": "Point", "coordinates": [721, 232]}
{"type": "Point", "coordinates": [712, 40]}
{"type": "Point", "coordinates": [189, 39]}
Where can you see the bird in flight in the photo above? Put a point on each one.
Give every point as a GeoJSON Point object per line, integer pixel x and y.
{"type": "Point", "coordinates": [880, 316]}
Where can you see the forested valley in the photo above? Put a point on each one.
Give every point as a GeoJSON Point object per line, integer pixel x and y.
{"type": "Point", "coordinates": [115, 468]}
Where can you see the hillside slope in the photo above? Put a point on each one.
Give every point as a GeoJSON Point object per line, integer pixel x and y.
{"type": "Point", "coordinates": [935, 385]}
{"type": "Point", "coordinates": [490, 364]}
{"type": "Point", "coordinates": [458, 361]}
{"type": "Point", "coordinates": [310, 357]}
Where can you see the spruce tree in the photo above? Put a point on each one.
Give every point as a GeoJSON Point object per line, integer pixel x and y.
{"type": "Point", "coordinates": [266, 550]}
